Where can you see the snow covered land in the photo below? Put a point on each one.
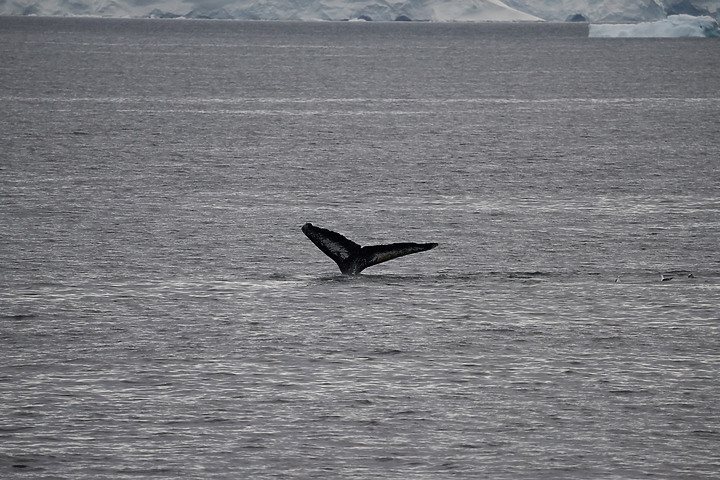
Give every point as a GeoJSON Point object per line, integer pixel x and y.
{"type": "Point", "coordinates": [673, 26]}
{"type": "Point", "coordinates": [608, 11]}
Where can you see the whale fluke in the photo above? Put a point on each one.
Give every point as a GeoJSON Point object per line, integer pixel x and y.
{"type": "Point", "coordinates": [351, 257]}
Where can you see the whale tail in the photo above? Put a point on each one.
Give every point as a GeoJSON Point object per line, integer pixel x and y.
{"type": "Point", "coordinates": [353, 258]}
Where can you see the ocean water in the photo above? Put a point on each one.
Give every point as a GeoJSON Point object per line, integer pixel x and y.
{"type": "Point", "coordinates": [163, 316]}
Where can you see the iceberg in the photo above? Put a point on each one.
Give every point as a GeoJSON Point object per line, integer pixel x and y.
{"type": "Point", "coordinates": [673, 26]}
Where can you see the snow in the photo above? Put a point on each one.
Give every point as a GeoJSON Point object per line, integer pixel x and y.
{"type": "Point", "coordinates": [673, 26]}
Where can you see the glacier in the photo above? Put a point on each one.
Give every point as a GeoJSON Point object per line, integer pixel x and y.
{"type": "Point", "coordinates": [375, 10]}
{"type": "Point", "coordinates": [615, 11]}
{"type": "Point", "coordinates": [673, 26]}
{"type": "Point", "coordinates": [594, 11]}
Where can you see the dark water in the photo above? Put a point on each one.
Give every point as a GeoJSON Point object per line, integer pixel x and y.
{"type": "Point", "coordinates": [162, 315]}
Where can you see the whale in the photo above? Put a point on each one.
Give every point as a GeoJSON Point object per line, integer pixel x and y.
{"type": "Point", "coordinates": [353, 258]}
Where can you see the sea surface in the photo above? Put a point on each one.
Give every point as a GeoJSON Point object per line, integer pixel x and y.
{"type": "Point", "coordinates": [163, 316]}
